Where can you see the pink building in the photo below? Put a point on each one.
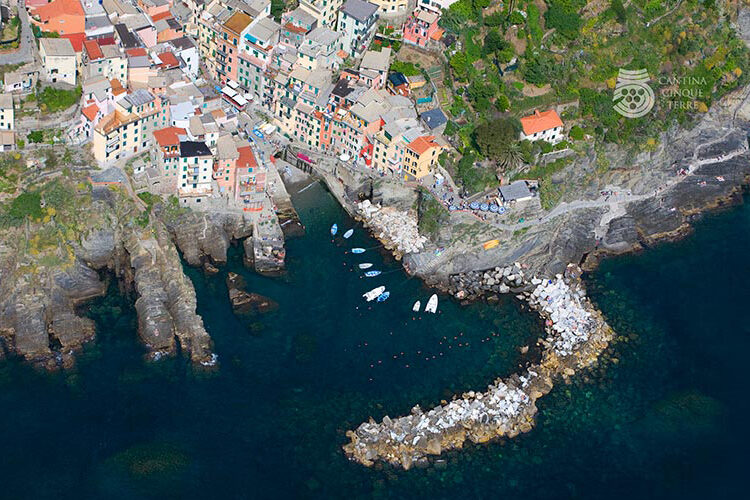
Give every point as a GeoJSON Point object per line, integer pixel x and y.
{"type": "Point", "coordinates": [420, 27]}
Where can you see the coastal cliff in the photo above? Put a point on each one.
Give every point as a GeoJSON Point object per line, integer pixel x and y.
{"type": "Point", "coordinates": [55, 258]}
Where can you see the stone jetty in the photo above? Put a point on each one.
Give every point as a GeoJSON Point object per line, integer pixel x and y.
{"type": "Point", "coordinates": [576, 335]}
{"type": "Point", "coordinates": [396, 229]}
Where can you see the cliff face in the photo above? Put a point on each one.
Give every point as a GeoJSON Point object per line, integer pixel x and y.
{"type": "Point", "coordinates": [208, 235]}
{"type": "Point", "coordinates": [655, 201]}
{"type": "Point", "coordinates": [44, 283]}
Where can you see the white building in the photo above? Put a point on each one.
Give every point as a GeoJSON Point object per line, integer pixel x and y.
{"type": "Point", "coordinates": [357, 23]}
{"type": "Point", "coordinates": [545, 126]}
{"type": "Point", "coordinates": [196, 170]}
{"type": "Point", "coordinates": [185, 49]}
{"type": "Point", "coordinates": [435, 5]}
{"type": "Point", "coordinates": [325, 11]}
{"type": "Point", "coordinates": [7, 117]}
{"type": "Point", "coordinates": [58, 59]}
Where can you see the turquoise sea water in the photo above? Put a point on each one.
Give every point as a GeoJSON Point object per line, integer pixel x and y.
{"type": "Point", "coordinates": [663, 417]}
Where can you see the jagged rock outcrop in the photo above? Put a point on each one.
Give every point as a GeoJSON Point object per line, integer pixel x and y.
{"type": "Point", "coordinates": [166, 300]}
{"type": "Point", "coordinates": [244, 302]}
{"type": "Point", "coordinates": [208, 235]}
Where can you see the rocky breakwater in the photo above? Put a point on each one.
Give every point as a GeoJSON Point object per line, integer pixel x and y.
{"type": "Point", "coordinates": [396, 229]}
{"type": "Point", "coordinates": [576, 335]}
{"type": "Point", "coordinates": [166, 302]}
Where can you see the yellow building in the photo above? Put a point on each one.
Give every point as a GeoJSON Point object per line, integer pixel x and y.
{"type": "Point", "coordinates": [421, 157]}
{"type": "Point", "coordinates": [129, 128]}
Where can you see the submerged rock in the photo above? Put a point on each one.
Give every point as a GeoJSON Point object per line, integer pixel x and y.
{"type": "Point", "coordinates": [244, 302]}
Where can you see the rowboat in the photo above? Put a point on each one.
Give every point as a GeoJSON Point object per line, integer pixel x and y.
{"type": "Point", "coordinates": [348, 233]}
{"type": "Point", "coordinates": [358, 250]}
{"type": "Point", "coordinates": [334, 229]}
{"type": "Point", "coordinates": [416, 307]}
{"type": "Point", "coordinates": [372, 274]}
{"type": "Point", "coordinates": [384, 296]}
{"type": "Point", "coordinates": [365, 265]}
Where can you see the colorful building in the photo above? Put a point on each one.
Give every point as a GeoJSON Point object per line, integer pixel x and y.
{"type": "Point", "coordinates": [421, 27]}
{"type": "Point", "coordinates": [227, 47]}
{"type": "Point", "coordinates": [421, 157]}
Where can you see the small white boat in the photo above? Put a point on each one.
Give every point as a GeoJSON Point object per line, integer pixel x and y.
{"type": "Point", "coordinates": [372, 274]}
{"type": "Point", "coordinates": [334, 229]}
{"type": "Point", "coordinates": [358, 250]}
{"type": "Point", "coordinates": [365, 265]}
{"type": "Point", "coordinates": [432, 304]}
{"type": "Point", "coordinates": [348, 233]}
{"type": "Point", "coordinates": [374, 293]}
{"type": "Point", "coordinates": [417, 306]}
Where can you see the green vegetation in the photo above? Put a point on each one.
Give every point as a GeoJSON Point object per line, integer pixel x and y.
{"type": "Point", "coordinates": [473, 179]}
{"type": "Point", "coordinates": [407, 68]}
{"type": "Point", "coordinates": [35, 136]}
{"type": "Point", "coordinates": [150, 200]}
{"type": "Point", "coordinates": [52, 100]}
{"type": "Point", "coordinates": [431, 213]}
{"type": "Point", "coordinates": [277, 8]}
{"type": "Point", "coordinates": [25, 205]}
{"type": "Point", "coordinates": [571, 55]}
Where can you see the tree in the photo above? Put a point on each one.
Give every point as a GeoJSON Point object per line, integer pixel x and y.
{"type": "Point", "coordinates": [576, 133]}
{"type": "Point", "coordinates": [450, 128]}
{"type": "Point", "coordinates": [277, 8]}
{"type": "Point", "coordinates": [502, 103]}
{"type": "Point", "coordinates": [619, 9]}
{"type": "Point", "coordinates": [493, 20]}
{"type": "Point", "coordinates": [538, 68]}
{"type": "Point", "coordinates": [460, 65]}
{"type": "Point", "coordinates": [35, 136]}
{"type": "Point", "coordinates": [494, 42]}
{"type": "Point", "coordinates": [563, 16]}
{"type": "Point", "coordinates": [510, 156]}
{"type": "Point", "coordinates": [493, 137]}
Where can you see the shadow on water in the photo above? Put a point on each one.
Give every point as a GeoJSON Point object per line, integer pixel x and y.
{"type": "Point", "coordinates": [660, 418]}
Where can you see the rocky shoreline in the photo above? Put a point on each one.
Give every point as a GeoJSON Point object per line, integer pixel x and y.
{"type": "Point", "coordinates": [577, 334]}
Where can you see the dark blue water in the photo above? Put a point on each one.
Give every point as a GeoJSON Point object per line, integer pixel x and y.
{"type": "Point", "coordinates": [661, 417]}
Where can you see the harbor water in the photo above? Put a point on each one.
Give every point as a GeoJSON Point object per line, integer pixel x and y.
{"type": "Point", "coordinates": [661, 417]}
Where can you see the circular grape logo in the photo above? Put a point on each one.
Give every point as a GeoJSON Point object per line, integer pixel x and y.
{"type": "Point", "coordinates": [633, 97]}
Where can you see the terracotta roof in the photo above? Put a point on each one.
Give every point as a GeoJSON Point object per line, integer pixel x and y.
{"type": "Point", "coordinates": [117, 88]}
{"type": "Point", "coordinates": [423, 143]}
{"type": "Point", "coordinates": [138, 51]}
{"type": "Point", "coordinates": [169, 136]}
{"type": "Point", "coordinates": [90, 112]}
{"type": "Point", "coordinates": [294, 29]}
{"type": "Point", "coordinates": [247, 158]}
{"type": "Point", "coordinates": [160, 16]}
{"type": "Point", "coordinates": [539, 122]}
{"type": "Point", "coordinates": [438, 34]}
{"type": "Point", "coordinates": [58, 8]}
{"type": "Point", "coordinates": [238, 22]}
{"type": "Point", "coordinates": [93, 50]}
{"type": "Point", "coordinates": [168, 60]}
{"type": "Point", "coordinates": [76, 40]}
